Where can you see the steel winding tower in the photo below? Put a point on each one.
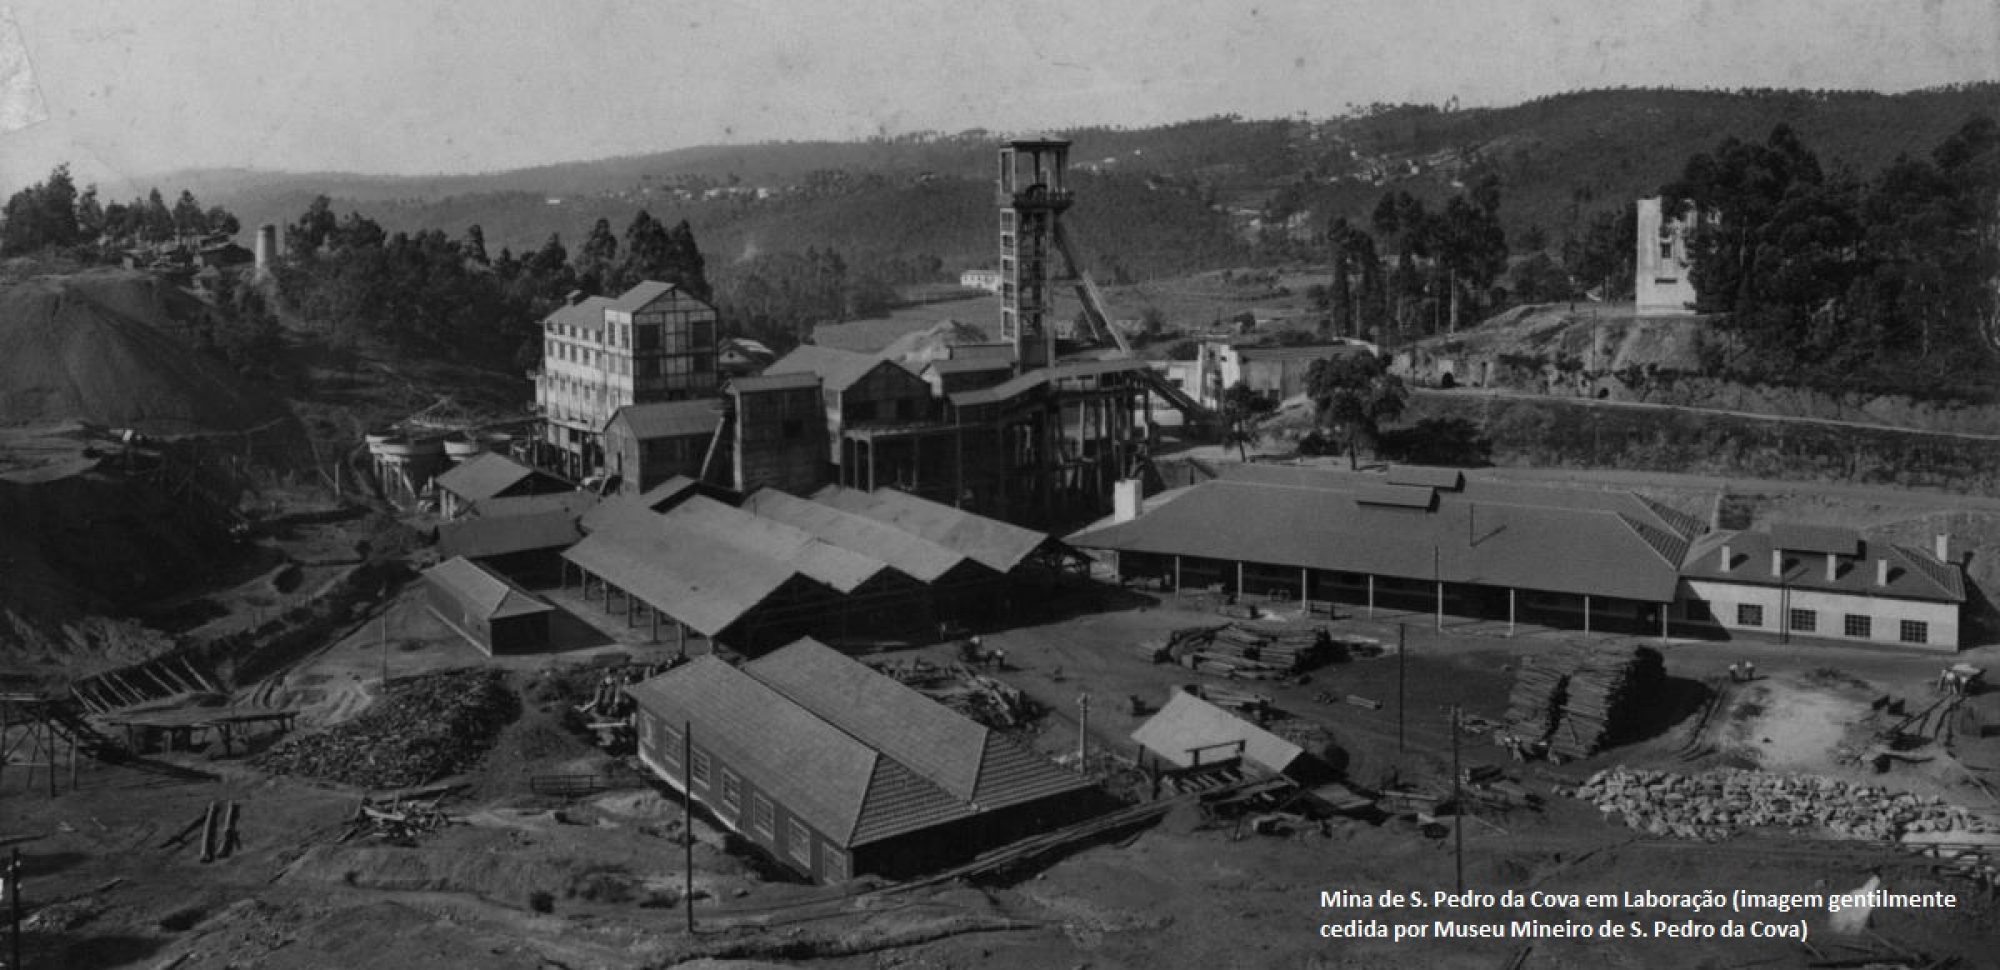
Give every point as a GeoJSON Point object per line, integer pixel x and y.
{"type": "Point", "coordinates": [1033, 195]}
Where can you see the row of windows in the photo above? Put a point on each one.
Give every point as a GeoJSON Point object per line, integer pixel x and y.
{"type": "Point", "coordinates": [1851, 624]}
{"type": "Point", "coordinates": [763, 814]}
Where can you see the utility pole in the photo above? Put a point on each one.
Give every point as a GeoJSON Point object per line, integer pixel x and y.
{"type": "Point", "coordinates": [1458, 806]}
{"type": "Point", "coordinates": [14, 907]}
{"type": "Point", "coordinates": [1402, 677]}
{"type": "Point", "coordinates": [1082, 730]}
{"type": "Point", "coordinates": [687, 821]}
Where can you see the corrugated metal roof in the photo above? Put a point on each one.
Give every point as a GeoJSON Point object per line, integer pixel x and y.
{"type": "Point", "coordinates": [575, 503]}
{"type": "Point", "coordinates": [702, 581]}
{"type": "Point", "coordinates": [837, 369]}
{"type": "Point", "coordinates": [1188, 723]}
{"type": "Point", "coordinates": [493, 596]}
{"type": "Point", "coordinates": [1799, 537]}
{"type": "Point", "coordinates": [669, 419]}
{"type": "Point", "coordinates": [478, 537]}
{"type": "Point", "coordinates": [641, 295]}
{"type": "Point", "coordinates": [1913, 573]}
{"type": "Point", "coordinates": [997, 545]}
{"type": "Point", "coordinates": [773, 382]}
{"type": "Point", "coordinates": [838, 567]}
{"type": "Point", "coordinates": [914, 555]}
{"type": "Point", "coordinates": [1583, 551]}
{"type": "Point", "coordinates": [483, 476]}
{"type": "Point", "coordinates": [586, 314]}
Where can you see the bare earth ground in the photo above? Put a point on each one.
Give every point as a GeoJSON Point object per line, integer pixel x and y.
{"type": "Point", "coordinates": [102, 891]}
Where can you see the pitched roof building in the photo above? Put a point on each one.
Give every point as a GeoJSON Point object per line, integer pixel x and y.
{"type": "Point", "coordinates": [839, 770]}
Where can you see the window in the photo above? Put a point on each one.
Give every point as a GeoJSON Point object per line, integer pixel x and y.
{"type": "Point", "coordinates": [669, 746]}
{"type": "Point", "coordinates": [1858, 626]}
{"type": "Point", "coordinates": [1914, 631]}
{"type": "Point", "coordinates": [761, 815]}
{"type": "Point", "coordinates": [732, 790]}
{"type": "Point", "coordinates": [1749, 614]}
{"type": "Point", "coordinates": [798, 843]}
{"type": "Point", "coordinates": [700, 770]}
{"type": "Point", "coordinates": [1805, 621]}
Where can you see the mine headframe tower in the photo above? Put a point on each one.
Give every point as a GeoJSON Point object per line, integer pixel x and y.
{"type": "Point", "coordinates": [1034, 193]}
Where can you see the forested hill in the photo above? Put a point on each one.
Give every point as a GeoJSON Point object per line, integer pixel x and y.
{"type": "Point", "coordinates": [1163, 199]}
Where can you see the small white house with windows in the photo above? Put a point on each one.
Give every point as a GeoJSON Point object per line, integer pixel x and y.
{"type": "Point", "coordinates": [1823, 583]}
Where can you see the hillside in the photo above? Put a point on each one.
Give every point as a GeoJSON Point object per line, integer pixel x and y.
{"type": "Point", "coordinates": [1170, 197]}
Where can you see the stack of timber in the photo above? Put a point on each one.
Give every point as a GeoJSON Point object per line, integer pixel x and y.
{"type": "Point", "coordinates": [1603, 695]}
{"type": "Point", "coordinates": [1256, 651]}
{"type": "Point", "coordinates": [1579, 700]}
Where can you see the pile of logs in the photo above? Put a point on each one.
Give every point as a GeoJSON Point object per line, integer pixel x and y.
{"type": "Point", "coordinates": [217, 825]}
{"type": "Point", "coordinates": [425, 728]}
{"type": "Point", "coordinates": [1254, 652]}
{"type": "Point", "coordinates": [1579, 700]}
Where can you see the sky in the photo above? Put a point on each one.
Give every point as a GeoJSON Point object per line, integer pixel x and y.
{"type": "Point", "coordinates": [123, 89]}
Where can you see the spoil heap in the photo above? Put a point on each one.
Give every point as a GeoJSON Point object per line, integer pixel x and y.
{"type": "Point", "coordinates": [1716, 804]}
{"type": "Point", "coordinates": [423, 729]}
{"type": "Point", "coordinates": [1580, 700]}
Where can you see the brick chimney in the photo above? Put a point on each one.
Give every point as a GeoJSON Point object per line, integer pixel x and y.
{"type": "Point", "coordinates": [1881, 572]}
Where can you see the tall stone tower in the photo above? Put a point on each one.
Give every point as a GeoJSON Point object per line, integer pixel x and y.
{"type": "Point", "coordinates": [1033, 195]}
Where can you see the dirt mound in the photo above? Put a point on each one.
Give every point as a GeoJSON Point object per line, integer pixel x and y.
{"type": "Point", "coordinates": [425, 728]}
{"type": "Point", "coordinates": [102, 346]}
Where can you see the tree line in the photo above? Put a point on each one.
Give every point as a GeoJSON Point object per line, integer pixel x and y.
{"type": "Point", "coordinates": [1828, 278]}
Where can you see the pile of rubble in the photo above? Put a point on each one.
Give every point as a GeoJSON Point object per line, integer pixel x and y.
{"type": "Point", "coordinates": [1716, 804]}
{"type": "Point", "coordinates": [1581, 700]}
{"type": "Point", "coordinates": [423, 729]}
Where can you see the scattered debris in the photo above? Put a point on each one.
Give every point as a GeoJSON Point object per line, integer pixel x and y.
{"type": "Point", "coordinates": [423, 729]}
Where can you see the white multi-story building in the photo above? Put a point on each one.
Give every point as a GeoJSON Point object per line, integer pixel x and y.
{"type": "Point", "coordinates": [652, 343]}
{"type": "Point", "coordinates": [1662, 276]}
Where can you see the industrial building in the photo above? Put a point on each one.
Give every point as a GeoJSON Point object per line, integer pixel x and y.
{"type": "Point", "coordinates": [753, 573]}
{"type": "Point", "coordinates": [1662, 277]}
{"type": "Point", "coordinates": [653, 343]}
{"type": "Point", "coordinates": [838, 770]}
{"type": "Point", "coordinates": [486, 609]}
{"type": "Point", "coordinates": [491, 476]}
{"type": "Point", "coordinates": [1436, 541]}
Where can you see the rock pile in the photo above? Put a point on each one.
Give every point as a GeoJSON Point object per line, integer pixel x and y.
{"type": "Point", "coordinates": [1716, 804]}
{"type": "Point", "coordinates": [425, 728]}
